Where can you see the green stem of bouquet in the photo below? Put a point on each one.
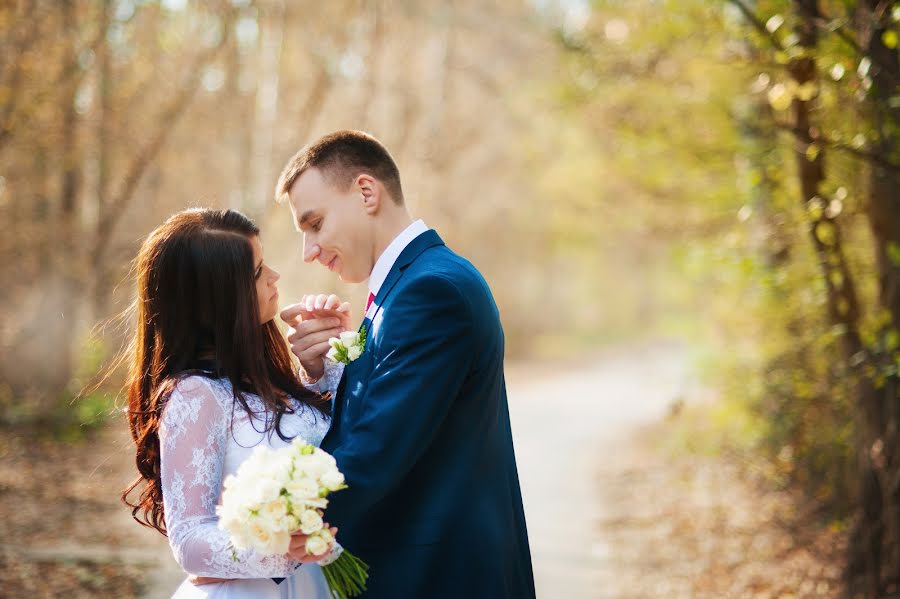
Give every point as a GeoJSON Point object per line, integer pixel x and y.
{"type": "Point", "coordinates": [346, 576]}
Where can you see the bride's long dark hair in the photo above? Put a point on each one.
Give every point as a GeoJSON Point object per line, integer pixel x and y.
{"type": "Point", "coordinates": [196, 299]}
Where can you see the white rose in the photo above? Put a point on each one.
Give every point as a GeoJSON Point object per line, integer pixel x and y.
{"type": "Point", "coordinates": [332, 354]}
{"type": "Point", "coordinates": [316, 545]}
{"type": "Point", "coordinates": [281, 464]}
{"type": "Point", "coordinates": [316, 502]}
{"type": "Point", "coordinates": [353, 352]}
{"type": "Point", "coordinates": [314, 464]}
{"type": "Point", "coordinates": [302, 488]}
{"type": "Point", "coordinates": [332, 480]}
{"type": "Point", "coordinates": [326, 536]}
{"type": "Point", "coordinates": [267, 490]}
{"type": "Point", "coordinates": [274, 514]}
{"type": "Point", "coordinates": [279, 543]}
{"type": "Point", "coordinates": [260, 536]}
{"type": "Point", "coordinates": [240, 536]}
{"type": "Point", "coordinates": [310, 522]}
{"type": "Point", "coordinates": [268, 542]}
{"type": "Point", "coordinates": [325, 456]}
{"type": "Point", "coordinates": [349, 338]}
{"type": "Point", "coordinates": [230, 482]}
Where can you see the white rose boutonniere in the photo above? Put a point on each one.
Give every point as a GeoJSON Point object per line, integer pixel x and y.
{"type": "Point", "coordinates": [348, 347]}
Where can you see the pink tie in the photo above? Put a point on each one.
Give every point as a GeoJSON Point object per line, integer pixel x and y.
{"type": "Point", "coordinates": [370, 300]}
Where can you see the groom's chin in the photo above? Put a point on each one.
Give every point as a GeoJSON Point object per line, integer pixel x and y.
{"type": "Point", "coordinates": [350, 278]}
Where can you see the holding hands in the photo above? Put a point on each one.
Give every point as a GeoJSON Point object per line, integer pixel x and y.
{"type": "Point", "coordinates": [313, 321]}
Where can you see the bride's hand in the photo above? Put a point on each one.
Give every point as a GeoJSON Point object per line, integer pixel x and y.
{"type": "Point", "coordinates": [297, 548]}
{"type": "Point", "coordinates": [311, 307]}
{"type": "Point", "coordinates": [313, 321]}
{"type": "Point", "coordinates": [323, 306]}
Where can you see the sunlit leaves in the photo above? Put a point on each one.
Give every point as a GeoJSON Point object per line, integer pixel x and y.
{"type": "Point", "coordinates": [774, 22]}
{"type": "Point", "coordinates": [836, 278]}
{"type": "Point", "coordinates": [807, 91]}
{"type": "Point", "coordinates": [826, 232]}
{"type": "Point", "coordinates": [812, 152]}
{"type": "Point", "coordinates": [815, 208]}
{"type": "Point", "coordinates": [837, 71]}
{"type": "Point", "coordinates": [893, 252]}
{"type": "Point", "coordinates": [835, 207]}
{"type": "Point", "coordinates": [780, 96]}
{"type": "Point", "coordinates": [864, 65]}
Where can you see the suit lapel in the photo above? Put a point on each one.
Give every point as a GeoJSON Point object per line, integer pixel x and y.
{"type": "Point", "coordinates": [426, 240]}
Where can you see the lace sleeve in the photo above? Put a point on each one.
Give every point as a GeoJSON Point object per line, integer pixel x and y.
{"type": "Point", "coordinates": [193, 438]}
{"type": "Point", "coordinates": [330, 380]}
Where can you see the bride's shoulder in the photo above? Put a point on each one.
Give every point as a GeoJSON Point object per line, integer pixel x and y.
{"type": "Point", "coordinates": [193, 384]}
{"type": "Point", "coordinates": [195, 393]}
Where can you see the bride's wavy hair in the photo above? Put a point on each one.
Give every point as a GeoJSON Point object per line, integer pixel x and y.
{"type": "Point", "coordinates": [196, 299]}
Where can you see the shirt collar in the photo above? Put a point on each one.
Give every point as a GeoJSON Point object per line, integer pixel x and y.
{"type": "Point", "coordinates": [386, 261]}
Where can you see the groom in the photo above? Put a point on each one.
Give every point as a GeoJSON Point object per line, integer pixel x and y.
{"type": "Point", "coordinates": [420, 425]}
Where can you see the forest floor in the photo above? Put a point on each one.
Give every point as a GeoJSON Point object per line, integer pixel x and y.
{"type": "Point", "coordinates": [613, 511]}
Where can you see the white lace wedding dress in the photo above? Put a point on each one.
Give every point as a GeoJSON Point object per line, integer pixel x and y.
{"type": "Point", "coordinates": [200, 446]}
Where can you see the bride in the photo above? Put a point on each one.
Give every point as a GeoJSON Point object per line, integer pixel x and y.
{"type": "Point", "coordinates": [212, 379]}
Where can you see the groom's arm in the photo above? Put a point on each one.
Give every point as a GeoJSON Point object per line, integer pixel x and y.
{"type": "Point", "coordinates": [422, 363]}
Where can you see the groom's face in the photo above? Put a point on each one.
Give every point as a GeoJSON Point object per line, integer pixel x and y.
{"type": "Point", "coordinates": [337, 230]}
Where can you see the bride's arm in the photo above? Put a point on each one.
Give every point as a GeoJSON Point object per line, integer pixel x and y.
{"type": "Point", "coordinates": [194, 432]}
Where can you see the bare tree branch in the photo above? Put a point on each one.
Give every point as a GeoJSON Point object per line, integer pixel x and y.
{"type": "Point", "coordinates": [757, 23]}
{"type": "Point", "coordinates": [835, 26]}
{"type": "Point", "coordinates": [862, 154]}
{"type": "Point", "coordinates": [165, 124]}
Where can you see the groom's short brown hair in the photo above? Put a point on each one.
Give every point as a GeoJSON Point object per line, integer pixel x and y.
{"type": "Point", "coordinates": [341, 157]}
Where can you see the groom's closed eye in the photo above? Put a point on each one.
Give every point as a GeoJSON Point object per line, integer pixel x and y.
{"type": "Point", "coordinates": [310, 220]}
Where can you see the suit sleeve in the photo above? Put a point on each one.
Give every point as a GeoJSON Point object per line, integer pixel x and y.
{"type": "Point", "coordinates": [422, 363]}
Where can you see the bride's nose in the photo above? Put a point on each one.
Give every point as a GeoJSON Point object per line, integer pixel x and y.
{"type": "Point", "coordinates": [274, 277]}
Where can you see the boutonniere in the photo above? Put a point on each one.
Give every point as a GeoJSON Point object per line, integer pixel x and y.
{"type": "Point", "coordinates": [348, 347]}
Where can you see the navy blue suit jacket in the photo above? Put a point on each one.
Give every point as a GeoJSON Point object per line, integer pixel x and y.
{"type": "Point", "coordinates": [421, 431]}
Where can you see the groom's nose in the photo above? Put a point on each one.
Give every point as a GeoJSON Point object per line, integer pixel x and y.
{"type": "Point", "coordinates": [310, 251]}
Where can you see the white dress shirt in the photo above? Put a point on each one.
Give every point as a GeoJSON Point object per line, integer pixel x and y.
{"type": "Point", "coordinates": [389, 256]}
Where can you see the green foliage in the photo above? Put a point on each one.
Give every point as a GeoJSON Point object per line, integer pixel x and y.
{"type": "Point", "coordinates": [682, 111]}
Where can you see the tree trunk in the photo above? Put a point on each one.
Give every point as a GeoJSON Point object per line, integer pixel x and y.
{"type": "Point", "coordinates": [102, 272]}
{"type": "Point", "coordinates": [879, 440]}
{"type": "Point", "coordinates": [271, 32]}
{"type": "Point", "coordinates": [842, 300]}
{"type": "Point", "coordinates": [61, 297]}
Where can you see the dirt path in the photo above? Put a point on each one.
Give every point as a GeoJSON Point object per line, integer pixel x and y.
{"type": "Point", "coordinates": [567, 427]}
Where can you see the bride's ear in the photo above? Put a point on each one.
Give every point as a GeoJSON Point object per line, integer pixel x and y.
{"type": "Point", "coordinates": [371, 193]}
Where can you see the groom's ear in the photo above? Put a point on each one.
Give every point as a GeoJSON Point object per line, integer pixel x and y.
{"type": "Point", "coordinates": [371, 193]}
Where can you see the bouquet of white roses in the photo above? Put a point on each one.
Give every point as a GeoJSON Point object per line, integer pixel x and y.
{"type": "Point", "coordinates": [277, 492]}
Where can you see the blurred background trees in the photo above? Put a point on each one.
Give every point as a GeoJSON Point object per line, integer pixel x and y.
{"type": "Point", "coordinates": [725, 172]}
{"type": "Point", "coordinates": [758, 141]}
